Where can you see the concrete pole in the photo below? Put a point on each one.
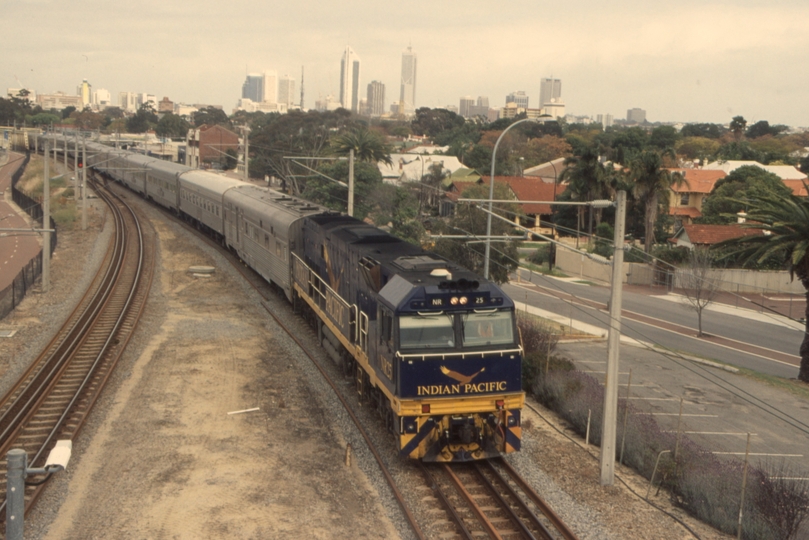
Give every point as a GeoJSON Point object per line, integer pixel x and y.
{"type": "Point", "coordinates": [610, 419]}
{"type": "Point", "coordinates": [46, 225]}
{"type": "Point", "coordinates": [75, 164]}
{"type": "Point", "coordinates": [246, 154]}
{"type": "Point", "coordinates": [83, 185]}
{"type": "Point", "coordinates": [15, 494]}
{"type": "Point", "coordinates": [351, 182]}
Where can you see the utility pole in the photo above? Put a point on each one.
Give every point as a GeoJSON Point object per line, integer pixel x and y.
{"type": "Point", "coordinates": [610, 419]}
{"type": "Point", "coordinates": [351, 182]}
{"type": "Point", "coordinates": [246, 152]}
{"type": "Point", "coordinates": [83, 185]}
{"type": "Point", "coordinates": [46, 225]}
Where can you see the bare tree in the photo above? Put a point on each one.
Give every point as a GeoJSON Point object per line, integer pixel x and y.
{"type": "Point", "coordinates": [699, 282]}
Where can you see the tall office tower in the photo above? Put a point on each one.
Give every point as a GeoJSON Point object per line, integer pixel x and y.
{"type": "Point", "coordinates": [376, 98]}
{"type": "Point", "coordinates": [407, 96]}
{"type": "Point", "coordinates": [253, 87]}
{"type": "Point", "coordinates": [550, 90]}
{"type": "Point", "coordinates": [102, 99]}
{"type": "Point", "coordinates": [286, 90]}
{"type": "Point", "coordinates": [519, 97]}
{"type": "Point", "coordinates": [466, 106]}
{"type": "Point", "coordinates": [636, 115]}
{"type": "Point", "coordinates": [270, 87]}
{"type": "Point", "coordinates": [128, 101]}
{"type": "Point", "coordinates": [350, 80]}
{"type": "Point", "coordinates": [84, 91]}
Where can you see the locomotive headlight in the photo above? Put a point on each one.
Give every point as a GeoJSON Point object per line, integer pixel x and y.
{"type": "Point", "coordinates": [453, 300]}
{"type": "Point", "coordinates": [464, 300]}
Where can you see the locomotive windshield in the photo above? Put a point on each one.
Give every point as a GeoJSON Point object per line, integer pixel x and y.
{"type": "Point", "coordinates": [487, 328]}
{"type": "Point", "coordinates": [443, 330]}
{"type": "Point", "coordinates": [420, 331]}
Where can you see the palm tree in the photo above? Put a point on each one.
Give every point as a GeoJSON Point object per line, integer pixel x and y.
{"type": "Point", "coordinates": [587, 180]}
{"type": "Point", "coordinates": [367, 145]}
{"type": "Point", "coordinates": [651, 180]}
{"type": "Point", "coordinates": [784, 222]}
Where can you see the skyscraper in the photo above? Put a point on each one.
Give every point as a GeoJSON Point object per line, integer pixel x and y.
{"type": "Point", "coordinates": [466, 106]}
{"type": "Point", "coordinates": [519, 97]}
{"type": "Point", "coordinates": [270, 87]}
{"type": "Point", "coordinates": [376, 98]}
{"type": "Point", "coordinates": [286, 90]}
{"type": "Point", "coordinates": [550, 90]}
{"type": "Point", "coordinates": [350, 80]}
{"type": "Point", "coordinates": [85, 92]}
{"type": "Point", "coordinates": [253, 87]}
{"type": "Point", "coordinates": [407, 96]}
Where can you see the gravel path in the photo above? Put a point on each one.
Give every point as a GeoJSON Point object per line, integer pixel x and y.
{"type": "Point", "coordinates": [161, 458]}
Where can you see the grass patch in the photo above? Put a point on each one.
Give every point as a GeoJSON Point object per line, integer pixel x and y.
{"type": "Point", "coordinates": [541, 269]}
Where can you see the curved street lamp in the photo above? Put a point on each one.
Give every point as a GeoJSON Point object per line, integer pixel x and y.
{"type": "Point", "coordinates": [491, 197]}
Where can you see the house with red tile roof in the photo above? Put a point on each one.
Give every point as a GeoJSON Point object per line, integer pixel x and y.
{"type": "Point", "coordinates": [532, 189]}
{"type": "Point", "coordinates": [685, 203]}
{"type": "Point", "coordinates": [691, 236]}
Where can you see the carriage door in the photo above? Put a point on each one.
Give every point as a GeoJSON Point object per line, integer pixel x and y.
{"type": "Point", "coordinates": [386, 345]}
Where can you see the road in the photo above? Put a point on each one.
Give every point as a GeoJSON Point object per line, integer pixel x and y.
{"type": "Point", "coordinates": [759, 341]}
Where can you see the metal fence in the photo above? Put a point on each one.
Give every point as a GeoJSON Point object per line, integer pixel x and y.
{"type": "Point", "coordinates": [12, 295]}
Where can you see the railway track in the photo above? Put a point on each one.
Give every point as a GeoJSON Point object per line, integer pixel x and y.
{"type": "Point", "coordinates": [53, 398]}
{"type": "Point", "coordinates": [489, 499]}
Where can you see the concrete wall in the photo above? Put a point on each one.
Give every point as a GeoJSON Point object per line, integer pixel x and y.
{"type": "Point", "coordinates": [735, 280]}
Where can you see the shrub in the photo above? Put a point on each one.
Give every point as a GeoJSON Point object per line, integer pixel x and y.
{"type": "Point", "coordinates": [540, 256]}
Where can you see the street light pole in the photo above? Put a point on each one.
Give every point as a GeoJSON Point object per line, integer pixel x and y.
{"type": "Point", "coordinates": [491, 197]}
{"type": "Point", "coordinates": [609, 420]}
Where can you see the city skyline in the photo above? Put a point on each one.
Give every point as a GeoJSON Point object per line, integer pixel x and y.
{"type": "Point", "coordinates": [689, 62]}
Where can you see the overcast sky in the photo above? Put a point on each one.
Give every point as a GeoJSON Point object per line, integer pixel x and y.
{"type": "Point", "coordinates": [688, 61]}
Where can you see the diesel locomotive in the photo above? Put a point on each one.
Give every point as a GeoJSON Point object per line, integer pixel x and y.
{"type": "Point", "coordinates": [434, 347]}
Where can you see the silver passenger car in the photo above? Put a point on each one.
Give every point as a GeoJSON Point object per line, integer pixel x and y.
{"type": "Point", "coordinates": [257, 223]}
{"type": "Point", "coordinates": [201, 197]}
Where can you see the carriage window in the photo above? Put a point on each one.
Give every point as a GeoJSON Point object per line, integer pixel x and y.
{"type": "Point", "coordinates": [487, 328]}
{"type": "Point", "coordinates": [426, 331]}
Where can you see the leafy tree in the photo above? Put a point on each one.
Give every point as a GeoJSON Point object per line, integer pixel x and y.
{"type": "Point", "coordinates": [173, 126]}
{"type": "Point", "coordinates": [709, 131]}
{"type": "Point", "coordinates": [729, 193]}
{"type": "Point", "coordinates": [664, 137]}
{"type": "Point", "coordinates": [432, 122]}
{"type": "Point", "coordinates": [626, 143]}
{"type": "Point", "coordinates": [737, 126]}
{"type": "Point", "coordinates": [697, 147]}
{"type": "Point", "coordinates": [471, 220]}
{"type": "Point", "coordinates": [231, 159]}
{"type": "Point", "coordinates": [785, 225]}
{"type": "Point", "coordinates": [296, 133]}
{"type": "Point", "coordinates": [738, 150]}
{"type": "Point", "coordinates": [143, 120]}
{"type": "Point", "coordinates": [544, 149]}
{"type": "Point", "coordinates": [211, 116]}
{"type": "Point", "coordinates": [367, 145]}
{"type": "Point", "coordinates": [397, 208]}
{"type": "Point", "coordinates": [651, 182]}
{"type": "Point", "coordinates": [45, 119]}
{"type": "Point", "coordinates": [88, 119]}
{"type": "Point", "coordinates": [366, 178]}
